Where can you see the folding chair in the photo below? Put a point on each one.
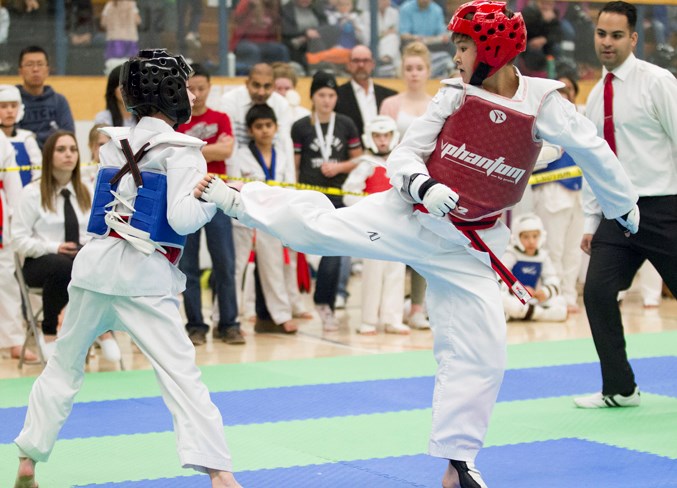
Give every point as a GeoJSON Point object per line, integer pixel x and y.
{"type": "Point", "coordinates": [31, 316]}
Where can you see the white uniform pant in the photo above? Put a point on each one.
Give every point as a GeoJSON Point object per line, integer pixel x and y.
{"type": "Point", "coordinates": [466, 313]}
{"type": "Point", "coordinates": [561, 211]}
{"type": "Point", "coordinates": [552, 310]}
{"type": "Point", "coordinates": [382, 292]}
{"type": "Point", "coordinates": [243, 242]}
{"type": "Point", "coordinates": [11, 322]}
{"type": "Point", "coordinates": [270, 265]}
{"type": "Point", "coordinates": [156, 327]}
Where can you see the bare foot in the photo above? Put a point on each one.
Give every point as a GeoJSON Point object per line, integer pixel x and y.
{"type": "Point", "coordinates": [223, 479]}
{"type": "Point", "coordinates": [29, 356]}
{"type": "Point", "coordinates": [450, 478]}
{"type": "Point", "coordinates": [290, 326]}
{"type": "Point", "coordinates": [25, 476]}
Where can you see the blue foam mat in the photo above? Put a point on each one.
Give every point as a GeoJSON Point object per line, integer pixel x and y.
{"type": "Point", "coordinates": [562, 463]}
{"type": "Point", "coordinates": [145, 415]}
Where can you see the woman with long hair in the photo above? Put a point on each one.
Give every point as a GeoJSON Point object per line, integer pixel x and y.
{"type": "Point", "coordinates": [325, 143]}
{"type": "Point", "coordinates": [404, 108]}
{"type": "Point", "coordinates": [49, 228]}
{"type": "Point", "coordinates": [115, 113]}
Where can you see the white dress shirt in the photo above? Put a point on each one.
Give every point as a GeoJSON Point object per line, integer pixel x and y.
{"type": "Point", "coordinates": [366, 101]}
{"type": "Point", "coordinates": [37, 231]}
{"type": "Point", "coordinates": [645, 123]}
{"type": "Point", "coordinates": [11, 182]}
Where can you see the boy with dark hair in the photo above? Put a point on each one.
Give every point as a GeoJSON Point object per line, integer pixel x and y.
{"type": "Point", "coordinates": [126, 278]}
{"type": "Point", "coordinates": [481, 135]}
{"type": "Point", "coordinates": [215, 129]}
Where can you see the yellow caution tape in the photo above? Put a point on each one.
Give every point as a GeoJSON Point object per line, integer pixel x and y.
{"type": "Point", "coordinates": [555, 174]}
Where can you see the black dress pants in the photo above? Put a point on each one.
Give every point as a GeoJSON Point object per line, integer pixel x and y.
{"type": "Point", "coordinates": [614, 261]}
{"type": "Point", "coordinates": [52, 273]}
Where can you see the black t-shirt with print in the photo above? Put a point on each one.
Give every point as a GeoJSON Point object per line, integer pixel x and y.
{"type": "Point", "coordinates": [307, 145]}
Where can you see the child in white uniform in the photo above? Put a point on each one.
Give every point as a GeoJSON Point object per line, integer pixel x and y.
{"type": "Point", "coordinates": [530, 263]}
{"type": "Point", "coordinates": [27, 152]}
{"type": "Point", "coordinates": [126, 278]}
{"type": "Point", "coordinates": [481, 134]}
{"type": "Point", "coordinates": [382, 281]}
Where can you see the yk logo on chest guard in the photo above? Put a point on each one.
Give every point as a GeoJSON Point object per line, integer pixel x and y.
{"type": "Point", "coordinates": [496, 168]}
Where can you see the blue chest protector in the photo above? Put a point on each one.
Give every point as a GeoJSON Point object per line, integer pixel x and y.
{"type": "Point", "coordinates": [528, 272]}
{"type": "Point", "coordinates": [150, 207]}
{"type": "Point", "coordinates": [573, 184]}
{"type": "Point", "coordinates": [24, 161]}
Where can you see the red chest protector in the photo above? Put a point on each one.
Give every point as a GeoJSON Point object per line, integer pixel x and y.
{"type": "Point", "coordinates": [377, 182]}
{"type": "Point", "coordinates": [486, 153]}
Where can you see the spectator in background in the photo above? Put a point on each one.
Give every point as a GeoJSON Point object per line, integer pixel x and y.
{"type": "Point", "coordinates": [404, 108]}
{"type": "Point", "coordinates": [423, 20]}
{"type": "Point", "coordinates": [188, 35]}
{"type": "Point", "coordinates": [388, 23]}
{"type": "Point", "coordinates": [27, 151]}
{"type": "Point", "coordinates": [4, 34]}
{"type": "Point", "coordinates": [120, 19]}
{"type": "Point", "coordinates": [46, 111]}
{"type": "Point", "coordinates": [301, 21]}
{"type": "Point", "coordinates": [361, 98]}
{"type": "Point", "coordinates": [215, 129]}
{"type": "Point", "coordinates": [560, 208]}
{"type": "Point", "coordinates": [285, 79]}
{"type": "Point", "coordinates": [116, 113]}
{"type": "Point", "coordinates": [95, 140]}
{"type": "Point", "coordinates": [11, 322]}
{"type": "Point", "coordinates": [256, 34]}
{"type": "Point", "coordinates": [544, 38]}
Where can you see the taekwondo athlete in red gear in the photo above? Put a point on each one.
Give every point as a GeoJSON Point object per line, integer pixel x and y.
{"type": "Point", "coordinates": [425, 223]}
{"type": "Point", "coordinates": [126, 277]}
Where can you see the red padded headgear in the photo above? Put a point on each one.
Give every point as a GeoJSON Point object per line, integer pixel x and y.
{"type": "Point", "coordinates": [498, 38]}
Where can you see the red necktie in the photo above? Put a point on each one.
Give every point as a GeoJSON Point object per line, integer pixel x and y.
{"type": "Point", "coordinates": [609, 135]}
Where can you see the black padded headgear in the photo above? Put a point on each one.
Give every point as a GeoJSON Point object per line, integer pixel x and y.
{"type": "Point", "coordinates": [155, 79]}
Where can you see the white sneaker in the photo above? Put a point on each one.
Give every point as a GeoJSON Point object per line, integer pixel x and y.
{"type": "Point", "coordinates": [110, 349]}
{"type": "Point", "coordinates": [340, 302]}
{"type": "Point", "coordinates": [327, 317]}
{"type": "Point", "coordinates": [598, 400]}
{"type": "Point", "coordinates": [398, 329]}
{"type": "Point", "coordinates": [367, 329]}
{"type": "Point", "coordinates": [418, 320]}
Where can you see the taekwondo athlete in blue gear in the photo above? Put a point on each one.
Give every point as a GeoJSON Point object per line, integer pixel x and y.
{"type": "Point", "coordinates": [126, 278]}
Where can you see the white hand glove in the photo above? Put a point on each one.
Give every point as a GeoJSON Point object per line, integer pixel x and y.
{"type": "Point", "coordinates": [440, 200]}
{"type": "Point", "coordinates": [630, 221]}
{"type": "Point", "coordinates": [225, 197]}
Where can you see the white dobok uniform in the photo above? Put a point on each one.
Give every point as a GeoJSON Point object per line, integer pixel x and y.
{"type": "Point", "coordinates": [115, 286]}
{"type": "Point", "coordinates": [463, 296]}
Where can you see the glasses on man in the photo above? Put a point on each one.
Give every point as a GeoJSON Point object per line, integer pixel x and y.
{"type": "Point", "coordinates": [34, 64]}
{"type": "Point", "coordinates": [361, 60]}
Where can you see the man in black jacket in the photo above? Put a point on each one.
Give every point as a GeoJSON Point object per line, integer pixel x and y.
{"type": "Point", "coordinates": [360, 98]}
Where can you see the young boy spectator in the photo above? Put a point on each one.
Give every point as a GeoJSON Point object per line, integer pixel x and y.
{"type": "Point", "coordinates": [215, 129]}
{"type": "Point", "coordinates": [126, 278]}
{"type": "Point", "coordinates": [263, 160]}
{"type": "Point", "coordinates": [26, 149]}
{"type": "Point", "coordinates": [481, 135]}
{"type": "Point", "coordinates": [531, 264]}
{"type": "Point", "coordinates": [382, 281]}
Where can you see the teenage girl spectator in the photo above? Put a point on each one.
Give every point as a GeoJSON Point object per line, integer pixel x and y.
{"type": "Point", "coordinates": [388, 23]}
{"type": "Point", "coordinates": [49, 228]}
{"type": "Point", "coordinates": [27, 151]}
{"type": "Point", "coordinates": [285, 80]}
{"type": "Point", "coordinates": [324, 145]}
{"type": "Point", "coordinates": [120, 19]}
{"type": "Point", "coordinates": [11, 323]}
{"type": "Point", "coordinates": [301, 21]}
{"type": "Point", "coordinates": [115, 113]}
{"type": "Point", "coordinates": [95, 140]}
{"type": "Point", "coordinates": [405, 107]}
{"type": "Point", "coordinates": [256, 34]}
